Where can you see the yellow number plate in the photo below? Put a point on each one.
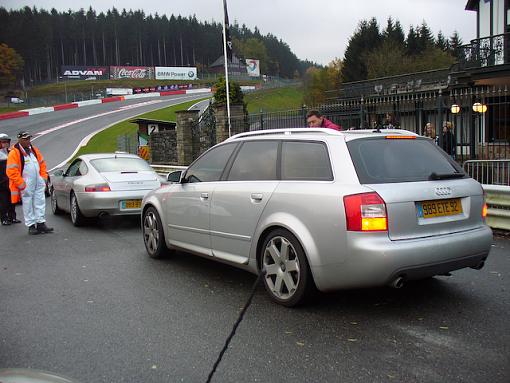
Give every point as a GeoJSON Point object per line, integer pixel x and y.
{"type": "Point", "coordinates": [131, 204]}
{"type": "Point", "coordinates": [439, 208]}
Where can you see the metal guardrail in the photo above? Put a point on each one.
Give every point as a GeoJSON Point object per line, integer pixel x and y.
{"type": "Point", "coordinates": [165, 169]}
{"type": "Point", "coordinates": [498, 206]}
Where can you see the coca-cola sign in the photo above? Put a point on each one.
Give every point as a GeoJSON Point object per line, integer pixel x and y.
{"type": "Point", "coordinates": [132, 72]}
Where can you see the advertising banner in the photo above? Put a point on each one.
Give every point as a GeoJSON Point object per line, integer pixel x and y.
{"type": "Point", "coordinates": [176, 73]}
{"type": "Point", "coordinates": [162, 88]}
{"type": "Point", "coordinates": [132, 72]}
{"type": "Point", "coordinates": [73, 72]}
{"type": "Point", "coordinates": [253, 67]}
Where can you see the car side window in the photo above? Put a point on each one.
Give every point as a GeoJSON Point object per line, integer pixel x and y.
{"type": "Point", "coordinates": [306, 160]}
{"type": "Point", "coordinates": [83, 169]}
{"type": "Point", "coordinates": [74, 169]}
{"type": "Point", "coordinates": [210, 166]}
{"type": "Point", "coordinates": [255, 161]}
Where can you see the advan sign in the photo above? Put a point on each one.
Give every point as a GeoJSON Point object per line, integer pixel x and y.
{"type": "Point", "coordinates": [176, 73]}
{"type": "Point", "coordinates": [84, 72]}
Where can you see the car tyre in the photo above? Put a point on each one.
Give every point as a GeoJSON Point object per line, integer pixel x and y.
{"type": "Point", "coordinates": [153, 234]}
{"type": "Point", "coordinates": [77, 218]}
{"type": "Point", "coordinates": [287, 275]}
{"type": "Point", "coordinates": [54, 204]}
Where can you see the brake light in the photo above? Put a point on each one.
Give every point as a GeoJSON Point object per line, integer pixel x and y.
{"type": "Point", "coordinates": [97, 188]}
{"type": "Point", "coordinates": [400, 137]}
{"type": "Point", "coordinates": [365, 212]}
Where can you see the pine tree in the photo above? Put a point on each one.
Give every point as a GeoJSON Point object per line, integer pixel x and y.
{"type": "Point", "coordinates": [365, 38]}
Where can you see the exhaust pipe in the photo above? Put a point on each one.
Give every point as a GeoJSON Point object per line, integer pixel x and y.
{"type": "Point", "coordinates": [398, 282]}
{"type": "Point", "coordinates": [479, 266]}
{"type": "Point", "coordinates": [102, 214]}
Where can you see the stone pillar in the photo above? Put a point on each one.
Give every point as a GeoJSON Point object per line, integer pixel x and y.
{"type": "Point", "coordinates": [238, 121]}
{"type": "Point", "coordinates": [186, 120]}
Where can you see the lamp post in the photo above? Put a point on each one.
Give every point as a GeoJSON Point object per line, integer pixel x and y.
{"type": "Point", "coordinates": [480, 108]}
{"type": "Point", "coordinates": [455, 109]}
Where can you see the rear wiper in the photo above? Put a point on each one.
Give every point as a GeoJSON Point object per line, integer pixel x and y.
{"type": "Point", "coordinates": [435, 176]}
{"type": "Point", "coordinates": [128, 172]}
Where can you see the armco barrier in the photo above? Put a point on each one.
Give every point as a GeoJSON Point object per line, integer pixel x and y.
{"type": "Point", "coordinates": [498, 203]}
{"type": "Point", "coordinates": [165, 169]}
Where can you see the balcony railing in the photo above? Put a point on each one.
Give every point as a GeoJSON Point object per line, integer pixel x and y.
{"type": "Point", "coordinates": [484, 52]}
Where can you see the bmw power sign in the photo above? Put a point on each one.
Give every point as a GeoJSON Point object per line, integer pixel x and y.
{"type": "Point", "coordinates": [176, 73]}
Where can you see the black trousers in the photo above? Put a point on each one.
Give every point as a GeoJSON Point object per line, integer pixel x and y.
{"type": "Point", "coordinates": [7, 209]}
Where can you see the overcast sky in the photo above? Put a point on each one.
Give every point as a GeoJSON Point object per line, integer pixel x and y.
{"type": "Point", "coordinates": [317, 30]}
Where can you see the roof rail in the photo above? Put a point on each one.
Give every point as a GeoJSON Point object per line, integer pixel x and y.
{"type": "Point", "coordinates": [284, 131]}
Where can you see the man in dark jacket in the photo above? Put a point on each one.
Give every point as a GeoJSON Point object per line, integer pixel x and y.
{"type": "Point", "coordinates": [7, 209]}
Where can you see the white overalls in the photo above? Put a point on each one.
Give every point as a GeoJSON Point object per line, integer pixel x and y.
{"type": "Point", "coordinates": [32, 197]}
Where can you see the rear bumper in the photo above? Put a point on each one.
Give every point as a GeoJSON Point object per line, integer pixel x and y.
{"type": "Point", "coordinates": [94, 204]}
{"type": "Point", "coordinates": [375, 260]}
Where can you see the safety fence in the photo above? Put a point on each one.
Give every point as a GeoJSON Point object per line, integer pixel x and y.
{"type": "Point", "coordinates": [489, 172]}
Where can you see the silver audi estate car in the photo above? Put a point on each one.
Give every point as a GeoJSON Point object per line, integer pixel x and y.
{"type": "Point", "coordinates": [101, 184]}
{"type": "Point", "coordinates": [315, 208]}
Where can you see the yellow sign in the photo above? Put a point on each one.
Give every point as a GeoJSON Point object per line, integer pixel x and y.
{"type": "Point", "coordinates": [144, 152]}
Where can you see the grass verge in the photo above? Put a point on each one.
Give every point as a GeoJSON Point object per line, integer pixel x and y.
{"type": "Point", "coordinates": [271, 100]}
{"type": "Point", "coordinates": [106, 141]}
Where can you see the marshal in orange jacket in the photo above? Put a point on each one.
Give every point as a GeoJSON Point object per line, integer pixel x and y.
{"type": "Point", "coordinates": [14, 170]}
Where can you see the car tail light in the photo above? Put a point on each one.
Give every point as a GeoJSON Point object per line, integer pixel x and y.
{"type": "Point", "coordinates": [400, 137]}
{"type": "Point", "coordinates": [97, 188]}
{"type": "Point", "coordinates": [365, 212]}
{"type": "Point", "coordinates": [484, 211]}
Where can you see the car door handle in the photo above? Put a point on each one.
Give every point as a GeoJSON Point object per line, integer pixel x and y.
{"type": "Point", "coordinates": [204, 196]}
{"type": "Point", "coordinates": [256, 196]}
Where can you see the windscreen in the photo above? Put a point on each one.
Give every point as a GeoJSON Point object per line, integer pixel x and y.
{"type": "Point", "coordinates": [120, 164]}
{"type": "Point", "coordinates": [380, 160]}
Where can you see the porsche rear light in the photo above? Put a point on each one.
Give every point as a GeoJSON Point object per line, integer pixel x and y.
{"type": "Point", "coordinates": [97, 188]}
{"type": "Point", "coordinates": [365, 212]}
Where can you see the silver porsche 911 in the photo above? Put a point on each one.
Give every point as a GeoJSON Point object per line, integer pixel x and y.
{"type": "Point", "coordinates": [94, 185]}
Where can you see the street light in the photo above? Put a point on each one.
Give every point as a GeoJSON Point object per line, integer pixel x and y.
{"type": "Point", "coordinates": [479, 107]}
{"type": "Point", "coordinates": [455, 109]}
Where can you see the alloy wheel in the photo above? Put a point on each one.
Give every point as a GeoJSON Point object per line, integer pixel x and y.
{"type": "Point", "coordinates": [151, 232]}
{"type": "Point", "coordinates": [281, 263]}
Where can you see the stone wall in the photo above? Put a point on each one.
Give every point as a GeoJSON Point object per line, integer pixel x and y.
{"type": "Point", "coordinates": [163, 148]}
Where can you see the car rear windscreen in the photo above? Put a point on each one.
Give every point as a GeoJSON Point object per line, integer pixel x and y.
{"type": "Point", "coordinates": [120, 164]}
{"type": "Point", "coordinates": [381, 160]}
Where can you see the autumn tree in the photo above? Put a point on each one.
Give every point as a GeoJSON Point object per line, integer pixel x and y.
{"type": "Point", "coordinates": [11, 64]}
{"type": "Point", "coordinates": [320, 82]}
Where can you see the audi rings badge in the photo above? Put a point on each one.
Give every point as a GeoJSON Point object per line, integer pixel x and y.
{"type": "Point", "coordinates": [443, 191]}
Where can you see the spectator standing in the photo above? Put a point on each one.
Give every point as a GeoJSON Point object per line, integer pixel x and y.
{"type": "Point", "coordinates": [7, 209]}
{"type": "Point", "coordinates": [430, 132]}
{"type": "Point", "coordinates": [448, 139]}
{"type": "Point", "coordinates": [315, 119]}
{"type": "Point", "coordinates": [27, 174]}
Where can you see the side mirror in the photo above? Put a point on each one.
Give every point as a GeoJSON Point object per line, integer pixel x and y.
{"type": "Point", "coordinates": [174, 177]}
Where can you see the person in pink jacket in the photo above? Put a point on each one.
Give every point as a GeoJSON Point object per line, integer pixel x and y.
{"type": "Point", "coordinates": [317, 120]}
